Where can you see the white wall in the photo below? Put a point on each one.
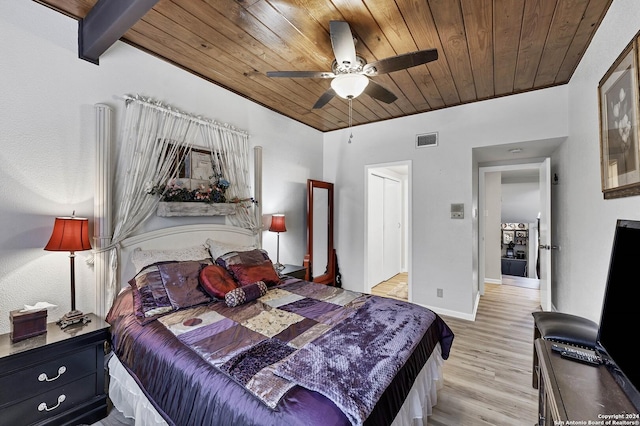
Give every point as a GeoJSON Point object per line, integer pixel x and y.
{"type": "Point", "coordinates": [492, 229]}
{"type": "Point", "coordinates": [47, 156]}
{"type": "Point", "coordinates": [520, 202]}
{"type": "Point", "coordinates": [442, 247]}
{"type": "Point", "coordinates": [584, 222]}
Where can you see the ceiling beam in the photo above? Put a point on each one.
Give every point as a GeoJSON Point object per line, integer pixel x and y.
{"type": "Point", "coordinates": [105, 23]}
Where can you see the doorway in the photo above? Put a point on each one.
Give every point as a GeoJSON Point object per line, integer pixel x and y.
{"type": "Point", "coordinates": [387, 227]}
{"type": "Point", "coordinates": [538, 219]}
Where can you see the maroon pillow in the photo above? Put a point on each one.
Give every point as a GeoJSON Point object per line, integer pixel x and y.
{"type": "Point", "coordinates": [249, 274]}
{"type": "Point", "coordinates": [216, 281]}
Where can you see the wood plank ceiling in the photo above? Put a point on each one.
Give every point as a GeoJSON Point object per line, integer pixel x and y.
{"type": "Point", "coordinates": [487, 48]}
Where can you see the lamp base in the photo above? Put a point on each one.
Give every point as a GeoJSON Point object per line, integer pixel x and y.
{"type": "Point", "coordinates": [279, 266]}
{"type": "Point", "coordinates": [73, 317]}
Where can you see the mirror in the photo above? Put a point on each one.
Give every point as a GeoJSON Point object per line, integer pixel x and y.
{"type": "Point", "coordinates": [320, 258]}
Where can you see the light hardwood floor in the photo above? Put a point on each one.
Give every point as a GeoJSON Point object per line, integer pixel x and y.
{"type": "Point", "coordinates": [487, 378]}
{"type": "Point", "coordinates": [386, 288]}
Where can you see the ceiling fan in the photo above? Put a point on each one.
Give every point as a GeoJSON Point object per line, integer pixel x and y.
{"type": "Point", "coordinates": [350, 73]}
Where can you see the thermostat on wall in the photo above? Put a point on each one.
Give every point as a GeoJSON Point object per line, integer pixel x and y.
{"type": "Point", "coordinates": [457, 211]}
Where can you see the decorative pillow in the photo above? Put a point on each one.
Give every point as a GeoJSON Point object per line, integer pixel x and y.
{"type": "Point", "coordinates": [247, 267]}
{"type": "Point", "coordinates": [216, 281]}
{"type": "Point", "coordinates": [247, 274]}
{"type": "Point", "coordinates": [249, 257]}
{"type": "Point", "coordinates": [150, 299]}
{"type": "Point", "coordinates": [181, 281]}
{"type": "Point", "coordinates": [218, 248]}
{"type": "Point", "coordinates": [142, 258]}
{"type": "Point", "coordinates": [241, 295]}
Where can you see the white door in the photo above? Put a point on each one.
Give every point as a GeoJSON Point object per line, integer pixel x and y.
{"type": "Point", "coordinates": [375, 224]}
{"type": "Point", "coordinates": [545, 235]}
{"type": "Point", "coordinates": [392, 228]}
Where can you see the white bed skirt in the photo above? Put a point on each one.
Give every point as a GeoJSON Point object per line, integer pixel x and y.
{"type": "Point", "coordinates": [128, 398]}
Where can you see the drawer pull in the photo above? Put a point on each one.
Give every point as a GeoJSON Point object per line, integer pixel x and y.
{"type": "Point", "coordinates": [43, 376]}
{"type": "Point", "coordinates": [43, 405]}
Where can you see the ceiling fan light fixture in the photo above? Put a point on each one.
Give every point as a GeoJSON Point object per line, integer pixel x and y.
{"type": "Point", "coordinates": [349, 86]}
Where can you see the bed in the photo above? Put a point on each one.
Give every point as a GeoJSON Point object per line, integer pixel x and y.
{"type": "Point", "coordinates": [277, 352]}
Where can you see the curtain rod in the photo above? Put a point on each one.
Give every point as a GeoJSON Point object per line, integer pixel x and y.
{"type": "Point", "coordinates": [166, 108]}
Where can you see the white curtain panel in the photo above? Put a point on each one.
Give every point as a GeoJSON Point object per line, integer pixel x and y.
{"type": "Point", "coordinates": [152, 137]}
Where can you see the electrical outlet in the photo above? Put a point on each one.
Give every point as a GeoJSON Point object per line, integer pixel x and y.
{"type": "Point", "coordinates": [439, 294]}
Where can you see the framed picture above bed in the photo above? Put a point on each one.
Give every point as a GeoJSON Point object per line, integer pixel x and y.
{"type": "Point", "coordinates": [619, 137]}
{"type": "Point", "coordinates": [197, 167]}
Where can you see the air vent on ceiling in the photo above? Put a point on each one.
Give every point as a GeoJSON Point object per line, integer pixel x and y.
{"type": "Point", "coordinates": [427, 139]}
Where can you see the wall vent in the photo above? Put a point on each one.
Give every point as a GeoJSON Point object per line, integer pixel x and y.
{"type": "Point", "coordinates": [427, 139]}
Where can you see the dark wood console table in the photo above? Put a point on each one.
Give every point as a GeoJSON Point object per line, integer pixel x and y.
{"type": "Point", "coordinates": [570, 390]}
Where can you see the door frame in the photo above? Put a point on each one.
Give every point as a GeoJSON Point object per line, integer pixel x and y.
{"type": "Point", "coordinates": [532, 165]}
{"type": "Point", "coordinates": [407, 215]}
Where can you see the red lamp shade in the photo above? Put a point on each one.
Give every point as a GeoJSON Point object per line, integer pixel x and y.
{"type": "Point", "coordinates": [69, 234]}
{"type": "Point", "coordinates": [277, 223]}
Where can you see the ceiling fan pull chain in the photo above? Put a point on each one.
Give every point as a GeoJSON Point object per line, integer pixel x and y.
{"type": "Point", "coordinates": [350, 119]}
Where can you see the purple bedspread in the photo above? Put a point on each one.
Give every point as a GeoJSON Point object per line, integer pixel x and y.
{"type": "Point", "coordinates": [192, 377]}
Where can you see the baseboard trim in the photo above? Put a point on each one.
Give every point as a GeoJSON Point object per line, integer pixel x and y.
{"type": "Point", "coordinates": [449, 313]}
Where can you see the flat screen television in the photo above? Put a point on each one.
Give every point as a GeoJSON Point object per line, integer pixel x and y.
{"type": "Point", "coordinates": [620, 318]}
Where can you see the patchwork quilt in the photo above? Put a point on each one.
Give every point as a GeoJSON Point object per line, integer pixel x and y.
{"type": "Point", "coordinates": [345, 345]}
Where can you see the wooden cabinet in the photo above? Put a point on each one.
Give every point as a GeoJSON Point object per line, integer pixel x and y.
{"type": "Point", "coordinates": [575, 393]}
{"type": "Point", "coordinates": [517, 267]}
{"type": "Point", "coordinates": [56, 378]}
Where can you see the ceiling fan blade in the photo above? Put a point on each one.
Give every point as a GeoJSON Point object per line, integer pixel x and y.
{"type": "Point", "coordinates": [301, 74]}
{"type": "Point", "coordinates": [324, 99]}
{"type": "Point", "coordinates": [378, 92]}
{"type": "Point", "coordinates": [400, 62]}
{"type": "Point", "coordinates": [342, 42]}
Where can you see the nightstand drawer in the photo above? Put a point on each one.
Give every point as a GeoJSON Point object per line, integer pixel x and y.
{"type": "Point", "coordinates": [51, 403]}
{"type": "Point", "coordinates": [37, 372]}
{"type": "Point", "coordinates": [50, 374]}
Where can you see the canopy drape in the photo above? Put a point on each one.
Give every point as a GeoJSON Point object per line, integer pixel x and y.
{"type": "Point", "coordinates": [153, 136]}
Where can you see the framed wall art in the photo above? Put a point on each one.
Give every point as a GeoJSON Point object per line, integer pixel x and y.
{"type": "Point", "coordinates": [196, 167]}
{"type": "Point", "coordinates": [619, 117]}
{"type": "Point", "coordinates": [507, 237]}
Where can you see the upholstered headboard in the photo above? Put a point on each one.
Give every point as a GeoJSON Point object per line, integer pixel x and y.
{"type": "Point", "coordinates": [178, 237]}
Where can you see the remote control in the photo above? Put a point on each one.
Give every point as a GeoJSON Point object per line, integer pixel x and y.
{"type": "Point", "coordinates": [582, 356]}
{"type": "Point", "coordinates": [558, 347]}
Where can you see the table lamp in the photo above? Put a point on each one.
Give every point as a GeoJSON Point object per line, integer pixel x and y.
{"type": "Point", "coordinates": [70, 234]}
{"type": "Point", "coordinates": [277, 225]}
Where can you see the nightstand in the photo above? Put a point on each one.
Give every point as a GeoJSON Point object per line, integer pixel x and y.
{"type": "Point", "coordinates": [294, 271]}
{"type": "Point", "coordinates": [55, 378]}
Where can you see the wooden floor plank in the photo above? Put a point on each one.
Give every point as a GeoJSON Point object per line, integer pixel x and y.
{"type": "Point", "coordinates": [387, 288]}
{"type": "Point", "coordinates": [487, 378]}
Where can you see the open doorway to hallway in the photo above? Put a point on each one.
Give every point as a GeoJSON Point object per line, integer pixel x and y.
{"type": "Point", "coordinates": [506, 158]}
{"type": "Point", "coordinates": [387, 229]}
{"type": "Point", "coordinates": [511, 205]}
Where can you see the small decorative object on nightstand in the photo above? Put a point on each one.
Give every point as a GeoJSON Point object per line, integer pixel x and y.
{"type": "Point", "coordinates": [27, 324]}
{"type": "Point", "coordinates": [294, 271]}
{"type": "Point", "coordinates": [54, 378]}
